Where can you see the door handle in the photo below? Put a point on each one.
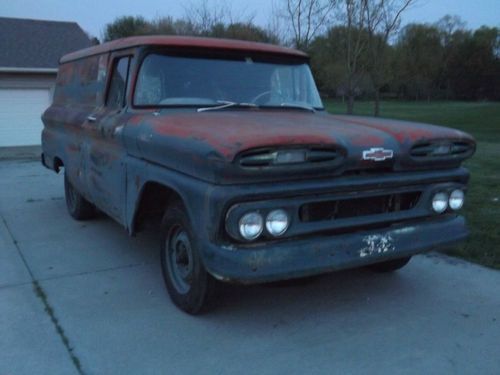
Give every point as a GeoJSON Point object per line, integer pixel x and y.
{"type": "Point", "coordinates": [91, 118]}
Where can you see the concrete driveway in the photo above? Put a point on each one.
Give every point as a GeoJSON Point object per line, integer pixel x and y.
{"type": "Point", "coordinates": [86, 298]}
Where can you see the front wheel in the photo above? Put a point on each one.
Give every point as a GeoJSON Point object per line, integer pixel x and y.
{"type": "Point", "coordinates": [188, 283]}
{"type": "Point", "coordinates": [390, 265]}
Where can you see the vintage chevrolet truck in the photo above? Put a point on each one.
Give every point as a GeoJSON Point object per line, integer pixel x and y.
{"type": "Point", "coordinates": [228, 146]}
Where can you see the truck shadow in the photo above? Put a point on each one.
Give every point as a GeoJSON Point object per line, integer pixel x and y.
{"type": "Point", "coordinates": [354, 289]}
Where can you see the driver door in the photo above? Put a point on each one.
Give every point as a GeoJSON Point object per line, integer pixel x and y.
{"type": "Point", "coordinates": [106, 152]}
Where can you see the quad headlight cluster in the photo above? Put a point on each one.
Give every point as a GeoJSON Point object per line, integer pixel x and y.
{"type": "Point", "coordinates": [442, 200]}
{"type": "Point", "coordinates": [252, 224]}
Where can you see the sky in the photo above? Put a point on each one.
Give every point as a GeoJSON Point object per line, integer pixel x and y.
{"type": "Point", "coordinates": [93, 15]}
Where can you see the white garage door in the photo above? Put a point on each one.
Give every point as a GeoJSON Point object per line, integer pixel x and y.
{"type": "Point", "coordinates": [20, 111]}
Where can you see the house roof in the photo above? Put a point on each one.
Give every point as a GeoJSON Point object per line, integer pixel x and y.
{"type": "Point", "coordinates": [184, 42]}
{"type": "Point", "coordinates": [36, 45]}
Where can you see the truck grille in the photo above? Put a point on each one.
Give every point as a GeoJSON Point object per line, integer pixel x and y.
{"type": "Point", "coordinates": [269, 157]}
{"type": "Point", "coordinates": [355, 207]}
{"type": "Point", "coordinates": [442, 149]}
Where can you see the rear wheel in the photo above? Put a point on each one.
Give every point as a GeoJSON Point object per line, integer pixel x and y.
{"type": "Point", "coordinates": [390, 265]}
{"type": "Point", "coordinates": [78, 207]}
{"type": "Point", "coordinates": [188, 283]}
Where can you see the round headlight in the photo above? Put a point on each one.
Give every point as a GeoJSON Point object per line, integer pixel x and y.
{"type": "Point", "coordinates": [456, 200]}
{"type": "Point", "coordinates": [440, 202]}
{"type": "Point", "coordinates": [277, 222]}
{"type": "Point", "coordinates": [251, 225]}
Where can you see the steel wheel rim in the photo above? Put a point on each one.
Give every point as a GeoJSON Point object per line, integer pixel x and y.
{"type": "Point", "coordinates": [179, 259]}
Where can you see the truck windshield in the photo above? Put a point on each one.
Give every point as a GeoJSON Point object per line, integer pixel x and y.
{"type": "Point", "coordinates": [174, 81]}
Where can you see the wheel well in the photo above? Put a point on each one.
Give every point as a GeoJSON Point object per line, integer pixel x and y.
{"type": "Point", "coordinates": [58, 164]}
{"type": "Point", "coordinates": [152, 204]}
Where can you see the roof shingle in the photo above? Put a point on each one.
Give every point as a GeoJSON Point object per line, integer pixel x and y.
{"type": "Point", "coordinates": [28, 43]}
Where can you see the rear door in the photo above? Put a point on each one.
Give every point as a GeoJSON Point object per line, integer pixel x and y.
{"type": "Point", "coordinates": [106, 153]}
{"type": "Point", "coordinates": [78, 94]}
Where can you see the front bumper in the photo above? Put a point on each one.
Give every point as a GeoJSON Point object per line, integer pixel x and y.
{"type": "Point", "coordinates": [325, 253]}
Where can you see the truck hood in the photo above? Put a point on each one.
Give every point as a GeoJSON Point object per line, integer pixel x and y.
{"type": "Point", "coordinates": [208, 145]}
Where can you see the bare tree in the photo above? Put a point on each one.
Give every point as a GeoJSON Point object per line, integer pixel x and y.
{"type": "Point", "coordinates": [277, 24]}
{"type": "Point", "coordinates": [353, 14]}
{"type": "Point", "coordinates": [306, 18]}
{"type": "Point", "coordinates": [206, 15]}
{"type": "Point", "coordinates": [449, 27]}
{"type": "Point", "coordinates": [383, 18]}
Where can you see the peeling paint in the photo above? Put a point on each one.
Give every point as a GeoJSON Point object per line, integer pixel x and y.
{"type": "Point", "coordinates": [377, 244]}
{"type": "Point", "coordinates": [118, 130]}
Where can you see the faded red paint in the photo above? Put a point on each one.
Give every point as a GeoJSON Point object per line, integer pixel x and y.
{"type": "Point", "coordinates": [184, 42]}
{"type": "Point", "coordinates": [232, 132]}
{"type": "Point", "coordinates": [405, 131]}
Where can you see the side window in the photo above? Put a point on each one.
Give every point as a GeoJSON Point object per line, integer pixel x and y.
{"type": "Point", "coordinates": [118, 85]}
{"type": "Point", "coordinates": [62, 94]}
{"type": "Point", "coordinates": [79, 83]}
{"type": "Point", "coordinates": [86, 80]}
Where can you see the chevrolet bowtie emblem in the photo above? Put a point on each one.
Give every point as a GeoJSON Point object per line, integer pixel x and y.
{"type": "Point", "coordinates": [377, 154]}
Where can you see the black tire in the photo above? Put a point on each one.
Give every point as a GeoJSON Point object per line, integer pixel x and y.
{"type": "Point", "coordinates": [189, 285]}
{"type": "Point", "coordinates": [390, 265]}
{"type": "Point", "coordinates": [78, 207]}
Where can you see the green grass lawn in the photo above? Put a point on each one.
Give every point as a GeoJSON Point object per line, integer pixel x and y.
{"type": "Point", "coordinates": [482, 208]}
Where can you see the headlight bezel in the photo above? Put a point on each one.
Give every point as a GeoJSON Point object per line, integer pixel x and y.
{"type": "Point", "coordinates": [237, 212]}
{"type": "Point", "coordinates": [448, 192]}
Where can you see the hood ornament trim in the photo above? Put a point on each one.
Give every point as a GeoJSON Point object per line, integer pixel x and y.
{"type": "Point", "coordinates": [378, 154]}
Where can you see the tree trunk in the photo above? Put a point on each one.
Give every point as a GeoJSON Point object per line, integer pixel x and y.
{"type": "Point", "coordinates": [376, 107]}
{"type": "Point", "coordinates": [350, 104]}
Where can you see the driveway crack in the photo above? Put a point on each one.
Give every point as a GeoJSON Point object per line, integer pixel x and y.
{"type": "Point", "coordinates": [40, 293]}
{"type": "Point", "coordinates": [102, 270]}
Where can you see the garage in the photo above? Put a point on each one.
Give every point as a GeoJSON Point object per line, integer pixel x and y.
{"type": "Point", "coordinates": [30, 55]}
{"type": "Point", "coordinates": [20, 111]}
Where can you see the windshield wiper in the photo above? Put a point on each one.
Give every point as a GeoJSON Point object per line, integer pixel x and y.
{"type": "Point", "coordinates": [226, 104]}
{"type": "Point", "coordinates": [298, 106]}
{"type": "Point", "coordinates": [304, 107]}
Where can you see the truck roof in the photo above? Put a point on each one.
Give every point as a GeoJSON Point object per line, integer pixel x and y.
{"type": "Point", "coordinates": [183, 42]}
